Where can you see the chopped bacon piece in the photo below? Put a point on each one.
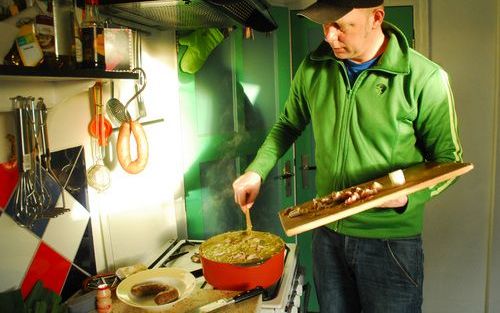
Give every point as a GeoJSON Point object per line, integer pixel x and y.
{"type": "Point", "coordinates": [347, 196]}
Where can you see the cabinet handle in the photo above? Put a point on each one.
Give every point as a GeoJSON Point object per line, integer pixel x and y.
{"type": "Point", "coordinates": [287, 176]}
{"type": "Point", "coordinates": [306, 167]}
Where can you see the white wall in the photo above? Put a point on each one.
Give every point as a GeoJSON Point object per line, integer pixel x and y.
{"type": "Point", "coordinates": [463, 39]}
{"type": "Point", "coordinates": [138, 213]}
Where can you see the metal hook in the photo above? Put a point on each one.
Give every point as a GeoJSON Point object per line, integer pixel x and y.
{"type": "Point", "coordinates": [144, 81]}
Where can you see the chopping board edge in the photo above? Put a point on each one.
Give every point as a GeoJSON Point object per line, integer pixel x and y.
{"type": "Point", "coordinates": [315, 221]}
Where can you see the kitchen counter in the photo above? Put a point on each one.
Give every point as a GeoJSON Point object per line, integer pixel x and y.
{"type": "Point", "coordinates": [198, 298]}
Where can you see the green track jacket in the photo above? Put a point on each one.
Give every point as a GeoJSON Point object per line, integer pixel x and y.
{"type": "Point", "coordinates": [398, 113]}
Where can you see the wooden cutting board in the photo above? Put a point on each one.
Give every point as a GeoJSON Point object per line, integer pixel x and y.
{"type": "Point", "coordinates": [417, 178]}
{"type": "Point", "coordinates": [198, 298]}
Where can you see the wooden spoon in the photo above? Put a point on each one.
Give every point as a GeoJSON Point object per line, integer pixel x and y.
{"type": "Point", "coordinates": [248, 220]}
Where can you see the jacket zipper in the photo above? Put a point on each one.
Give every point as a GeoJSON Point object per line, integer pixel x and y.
{"type": "Point", "coordinates": [345, 121]}
{"type": "Point", "coordinates": [346, 115]}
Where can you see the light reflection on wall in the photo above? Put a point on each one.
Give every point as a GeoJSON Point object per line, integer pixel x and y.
{"type": "Point", "coordinates": [138, 212]}
{"type": "Point", "coordinates": [251, 91]}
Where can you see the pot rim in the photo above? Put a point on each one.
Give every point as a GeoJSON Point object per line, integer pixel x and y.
{"type": "Point", "coordinates": [249, 264]}
{"type": "Point", "coordinates": [245, 264]}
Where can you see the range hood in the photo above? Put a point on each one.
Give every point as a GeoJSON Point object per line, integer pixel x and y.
{"type": "Point", "coordinates": [189, 14]}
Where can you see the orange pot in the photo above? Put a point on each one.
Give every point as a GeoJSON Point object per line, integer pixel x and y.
{"type": "Point", "coordinates": [226, 276]}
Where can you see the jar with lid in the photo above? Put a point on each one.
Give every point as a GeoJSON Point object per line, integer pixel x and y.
{"type": "Point", "coordinates": [44, 28]}
{"type": "Point", "coordinates": [92, 37]}
{"type": "Point", "coordinates": [103, 299]}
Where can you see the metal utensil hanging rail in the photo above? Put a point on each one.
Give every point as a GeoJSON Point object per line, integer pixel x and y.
{"type": "Point", "coordinates": [119, 112]}
{"type": "Point", "coordinates": [32, 199]}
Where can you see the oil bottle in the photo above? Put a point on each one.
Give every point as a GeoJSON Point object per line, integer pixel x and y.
{"type": "Point", "coordinates": [92, 36]}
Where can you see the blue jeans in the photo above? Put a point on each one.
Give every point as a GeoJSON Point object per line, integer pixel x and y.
{"type": "Point", "coordinates": [355, 275]}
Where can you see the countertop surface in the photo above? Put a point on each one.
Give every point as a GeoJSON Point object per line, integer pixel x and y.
{"type": "Point", "coordinates": [198, 298]}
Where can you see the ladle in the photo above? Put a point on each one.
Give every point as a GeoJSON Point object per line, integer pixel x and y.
{"type": "Point", "coordinates": [98, 175]}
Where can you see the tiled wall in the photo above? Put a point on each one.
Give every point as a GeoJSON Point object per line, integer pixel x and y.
{"type": "Point", "coordinates": [59, 251]}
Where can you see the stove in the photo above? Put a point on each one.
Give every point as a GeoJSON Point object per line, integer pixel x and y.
{"type": "Point", "coordinates": [284, 296]}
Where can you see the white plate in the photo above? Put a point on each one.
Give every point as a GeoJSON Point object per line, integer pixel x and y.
{"type": "Point", "coordinates": [179, 278]}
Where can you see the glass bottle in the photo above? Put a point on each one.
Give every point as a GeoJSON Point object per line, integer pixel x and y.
{"type": "Point", "coordinates": [92, 36]}
{"type": "Point", "coordinates": [76, 46]}
{"type": "Point", "coordinates": [103, 299]}
{"type": "Point", "coordinates": [63, 32]}
{"type": "Point", "coordinates": [44, 27]}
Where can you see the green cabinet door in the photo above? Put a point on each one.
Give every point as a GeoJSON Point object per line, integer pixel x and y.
{"type": "Point", "coordinates": [227, 109]}
{"type": "Point", "coordinates": [306, 36]}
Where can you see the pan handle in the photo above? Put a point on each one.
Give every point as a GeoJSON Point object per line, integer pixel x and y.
{"type": "Point", "coordinates": [248, 294]}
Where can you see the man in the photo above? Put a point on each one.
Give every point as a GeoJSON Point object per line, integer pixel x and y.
{"type": "Point", "coordinates": [375, 106]}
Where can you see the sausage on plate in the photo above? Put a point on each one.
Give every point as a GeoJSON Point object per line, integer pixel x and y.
{"type": "Point", "coordinates": [147, 289]}
{"type": "Point", "coordinates": [170, 294]}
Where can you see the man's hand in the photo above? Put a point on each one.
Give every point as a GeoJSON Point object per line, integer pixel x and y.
{"type": "Point", "coordinates": [396, 203]}
{"type": "Point", "coordinates": [246, 188]}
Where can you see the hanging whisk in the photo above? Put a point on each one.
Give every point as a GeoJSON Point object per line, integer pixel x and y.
{"type": "Point", "coordinates": [32, 197]}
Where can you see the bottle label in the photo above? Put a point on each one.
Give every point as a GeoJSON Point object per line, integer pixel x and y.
{"type": "Point", "coordinates": [26, 39]}
{"type": "Point", "coordinates": [77, 41]}
{"type": "Point", "coordinates": [29, 49]}
{"type": "Point", "coordinates": [45, 35]}
{"type": "Point", "coordinates": [78, 50]}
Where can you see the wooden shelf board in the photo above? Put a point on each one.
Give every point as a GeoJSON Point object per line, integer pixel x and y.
{"type": "Point", "coordinates": [11, 72]}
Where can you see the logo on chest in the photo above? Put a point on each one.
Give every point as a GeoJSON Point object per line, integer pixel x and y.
{"type": "Point", "coordinates": [380, 89]}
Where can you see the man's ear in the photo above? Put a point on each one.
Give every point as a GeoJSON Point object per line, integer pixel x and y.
{"type": "Point", "coordinates": [378, 16]}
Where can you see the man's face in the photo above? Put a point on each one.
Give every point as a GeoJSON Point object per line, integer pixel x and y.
{"type": "Point", "coordinates": [352, 36]}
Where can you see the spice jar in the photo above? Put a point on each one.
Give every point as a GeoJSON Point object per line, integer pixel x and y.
{"type": "Point", "coordinates": [103, 299]}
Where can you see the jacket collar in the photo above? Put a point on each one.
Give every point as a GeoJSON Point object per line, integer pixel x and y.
{"type": "Point", "coordinates": [395, 58]}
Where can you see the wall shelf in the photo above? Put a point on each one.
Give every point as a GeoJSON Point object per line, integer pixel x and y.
{"type": "Point", "coordinates": [10, 72]}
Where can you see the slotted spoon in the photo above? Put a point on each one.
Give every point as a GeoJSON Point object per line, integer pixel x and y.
{"type": "Point", "coordinates": [116, 109]}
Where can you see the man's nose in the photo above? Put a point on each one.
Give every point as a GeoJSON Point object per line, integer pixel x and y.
{"type": "Point", "coordinates": [331, 34]}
